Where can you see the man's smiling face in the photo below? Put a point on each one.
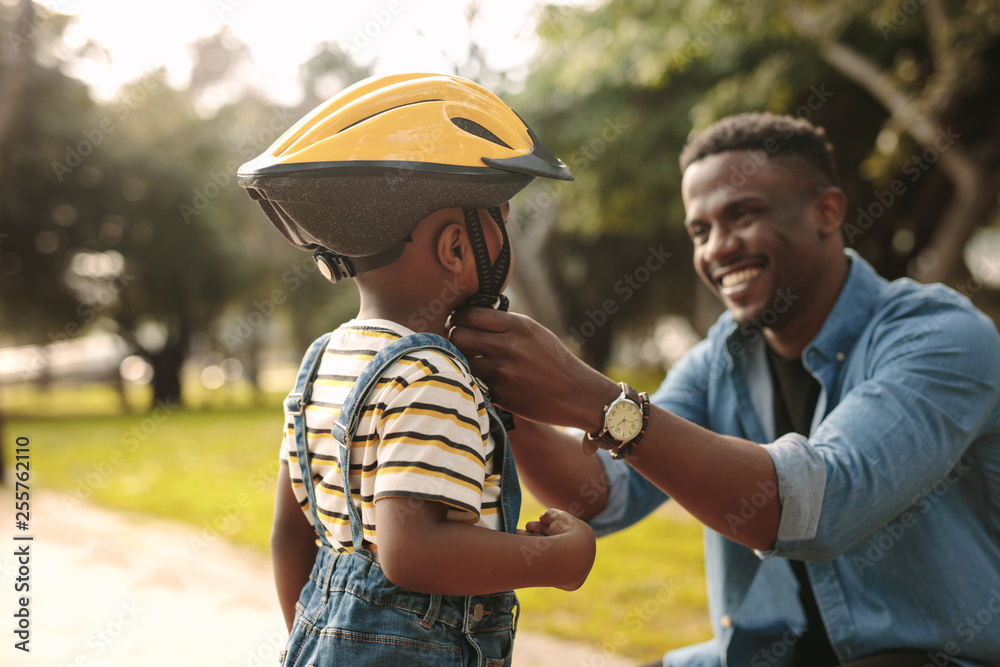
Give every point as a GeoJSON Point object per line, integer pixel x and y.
{"type": "Point", "coordinates": [754, 231]}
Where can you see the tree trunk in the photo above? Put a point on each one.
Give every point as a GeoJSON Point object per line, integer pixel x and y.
{"type": "Point", "coordinates": [975, 188]}
{"type": "Point", "coordinates": [118, 383]}
{"type": "Point", "coordinates": [975, 194]}
{"type": "Point", "coordinates": [167, 376]}
{"type": "Point", "coordinates": [167, 364]}
{"type": "Point", "coordinates": [251, 368]}
{"type": "Point", "coordinates": [973, 202]}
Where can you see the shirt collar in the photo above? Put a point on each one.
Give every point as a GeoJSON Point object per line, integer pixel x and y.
{"type": "Point", "coordinates": [861, 293]}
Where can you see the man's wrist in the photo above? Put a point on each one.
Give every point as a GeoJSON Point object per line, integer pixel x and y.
{"type": "Point", "coordinates": [624, 423]}
{"type": "Point", "coordinates": [590, 418]}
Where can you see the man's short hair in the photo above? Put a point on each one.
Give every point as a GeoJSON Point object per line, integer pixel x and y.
{"type": "Point", "coordinates": [781, 137]}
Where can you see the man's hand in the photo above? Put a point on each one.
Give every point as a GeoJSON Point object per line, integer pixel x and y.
{"type": "Point", "coordinates": [528, 369]}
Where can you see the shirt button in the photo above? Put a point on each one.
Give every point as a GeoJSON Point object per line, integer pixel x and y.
{"type": "Point", "coordinates": [726, 622]}
{"type": "Point", "coordinates": [841, 356]}
{"type": "Point", "coordinates": [477, 613]}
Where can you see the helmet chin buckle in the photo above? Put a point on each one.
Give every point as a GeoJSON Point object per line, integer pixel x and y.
{"type": "Point", "coordinates": [494, 301]}
{"type": "Point", "coordinates": [334, 267]}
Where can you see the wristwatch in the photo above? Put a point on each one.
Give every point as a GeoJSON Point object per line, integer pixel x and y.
{"type": "Point", "coordinates": [624, 421]}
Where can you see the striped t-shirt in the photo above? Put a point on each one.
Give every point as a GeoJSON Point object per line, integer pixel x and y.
{"type": "Point", "coordinates": [424, 435]}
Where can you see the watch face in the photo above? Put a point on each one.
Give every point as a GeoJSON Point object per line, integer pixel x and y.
{"type": "Point", "coordinates": [624, 420]}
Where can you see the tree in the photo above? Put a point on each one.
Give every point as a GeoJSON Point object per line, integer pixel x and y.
{"type": "Point", "coordinates": [288, 287]}
{"type": "Point", "coordinates": [126, 216]}
{"type": "Point", "coordinates": [954, 56]}
{"type": "Point", "coordinates": [118, 216]}
{"type": "Point", "coordinates": [15, 64]}
{"type": "Point", "coordinates": [42, 199]}
{"type": "Point", "coordinates": [619, 87]}
{"type": "Point", "coordinates": [173, 189]}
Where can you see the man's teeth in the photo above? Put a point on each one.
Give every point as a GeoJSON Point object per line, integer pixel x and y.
{"type": "Point", "coordinates": [738, 277]}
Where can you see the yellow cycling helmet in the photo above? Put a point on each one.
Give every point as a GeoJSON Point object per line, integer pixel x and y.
{"type": "Point", "coordinates": [357, 174]}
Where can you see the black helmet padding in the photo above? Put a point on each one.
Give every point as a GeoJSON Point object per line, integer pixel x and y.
{"type": "Point", "coordinates": [353, 215]}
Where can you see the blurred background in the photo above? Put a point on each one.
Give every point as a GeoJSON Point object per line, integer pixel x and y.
{"type": "Point", "coordinates": [151, 319]}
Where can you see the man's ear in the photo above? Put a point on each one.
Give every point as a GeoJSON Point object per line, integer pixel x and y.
{"type": "Point", "coordinates": [830, 207]}
{"type": "Point", "coordinates": [452, 247]}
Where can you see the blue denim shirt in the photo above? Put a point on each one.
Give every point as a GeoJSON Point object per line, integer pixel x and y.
{"type": "Point", "coordinates": [893, 500]}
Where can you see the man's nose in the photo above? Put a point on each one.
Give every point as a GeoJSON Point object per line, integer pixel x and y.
{"type": "Point", "coordinates": [721, 244]}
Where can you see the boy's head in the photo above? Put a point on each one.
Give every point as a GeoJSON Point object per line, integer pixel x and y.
{"type": "Point", "coordinates": [355, 177]}
{"type": "Point", "coordinates": [439, 271]}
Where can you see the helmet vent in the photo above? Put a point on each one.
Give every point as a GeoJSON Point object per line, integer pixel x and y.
{"type": "Point", "coordinates": [379, 113]}
{"type": "Point", "coordinates": [474, 128]}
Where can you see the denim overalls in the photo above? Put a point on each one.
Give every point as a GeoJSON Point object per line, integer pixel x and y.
{"type": "Point", "coordinates": [349, 613]}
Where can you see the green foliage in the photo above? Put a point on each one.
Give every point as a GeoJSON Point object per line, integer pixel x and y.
{"type": "Point", "coordinates": [186, 265]}
{"type": "Point", "coordinates": [657, 71]}
{"type": "Point", "coordinates": [38, 209]}
{"type": "Point", "coordinates": [126, 215]}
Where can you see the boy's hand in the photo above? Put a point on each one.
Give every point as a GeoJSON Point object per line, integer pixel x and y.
{"type": "Point", "coordinates": [576, 542]}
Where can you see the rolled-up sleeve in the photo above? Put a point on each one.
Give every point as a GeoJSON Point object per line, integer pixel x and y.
{"type": "Point", "coordinates": [929, 384]}
{"type": "Point", "coordinates": [614, 516]}
{"type": "Point", "coordinates": [801, 473]}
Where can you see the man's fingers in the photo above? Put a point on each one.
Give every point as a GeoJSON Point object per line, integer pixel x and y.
{"type": "Point", "coordinates": [482, 367]}
{"type": "Point", "coordinates": [474, 340]}
{"type": "Point", "coordinates": [484, 319]}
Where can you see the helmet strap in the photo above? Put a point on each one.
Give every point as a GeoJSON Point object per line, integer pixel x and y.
{"type": "Point", "coordinates": [335, 266]}
{"type": "Point", "coordinates": [492, 275]}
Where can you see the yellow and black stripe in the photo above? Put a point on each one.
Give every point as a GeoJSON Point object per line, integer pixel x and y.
{"type": "Point", "coordinates": [423, 433]}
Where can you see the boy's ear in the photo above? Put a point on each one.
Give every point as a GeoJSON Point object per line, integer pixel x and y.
{"type": "Point", "coordinates": [452, 247]}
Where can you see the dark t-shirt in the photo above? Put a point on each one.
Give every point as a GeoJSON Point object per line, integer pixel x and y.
{"type": "Point", "coordinates": [795, 395]}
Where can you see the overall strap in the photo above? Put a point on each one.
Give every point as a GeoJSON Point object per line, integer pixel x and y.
{"type": "Point", "coordinates": [350, 413]}
{"type": "Point", "coordinates": [295, 407]}
{"type": "Point", "coordinates": [510, 487]}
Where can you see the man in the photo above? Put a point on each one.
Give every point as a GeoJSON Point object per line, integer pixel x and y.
{"type": "Point", "coordinates": [837, 434]}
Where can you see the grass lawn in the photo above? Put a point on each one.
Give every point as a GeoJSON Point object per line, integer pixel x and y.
{"type": "Point", "coordinates": [215, 470]}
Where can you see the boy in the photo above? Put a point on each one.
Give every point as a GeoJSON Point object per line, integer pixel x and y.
{"type": "Point", "coordinates": [401, 183]}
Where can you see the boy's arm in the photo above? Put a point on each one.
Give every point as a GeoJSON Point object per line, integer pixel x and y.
{"type": "Point", "coordinates": [293, 546]}
{"type": "Point", "coordinates": [421, 551]}
{"type": "Point", "coordinates": [551, 464]}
